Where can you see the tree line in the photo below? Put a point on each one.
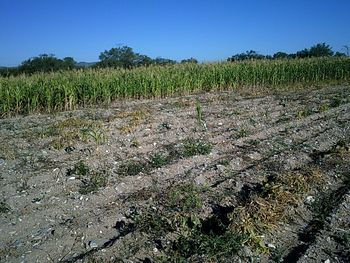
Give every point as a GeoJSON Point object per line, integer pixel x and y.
{"type": "Point", "coordinates": [318, 50]}
{"type": "Point", "coordinates": [125, 57]}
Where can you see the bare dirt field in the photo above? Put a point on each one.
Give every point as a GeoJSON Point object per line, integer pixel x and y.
{"type": "Point", "coordinates": [217, 177]}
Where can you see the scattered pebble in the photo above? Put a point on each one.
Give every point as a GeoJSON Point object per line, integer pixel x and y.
{"type": "Point", "coordinates": [271, 246]}
{"type": "Point", "coordinates": [309, 199]}
{"type": "Point", "coordinates": [92, 244]}
{"type": "Point", "coordinates": [247, 251]}
{"type": "Point", "coordinates": [221, 168]}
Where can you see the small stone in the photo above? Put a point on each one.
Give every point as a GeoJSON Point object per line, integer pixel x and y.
{"type": "Point", "coordinates": [309, 199]}
{"type": "Point", "coordinates": [220, 168]}
{"type": "Point", "coordinates": [2, 162]}
{"type": "Point", "coordinates": [200, 180]}
{"type": "Point", "coordinates": [247, 251]}
{"type": "Point", "coordinates": [93, 244]}
{"type": "Point", "coordinates": [327, 261]}
{"type": "Point", "coordinates": [271, 246]}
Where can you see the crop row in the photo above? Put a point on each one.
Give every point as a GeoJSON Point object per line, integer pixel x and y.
{"type": "Point", "coordinates": [68, 90]}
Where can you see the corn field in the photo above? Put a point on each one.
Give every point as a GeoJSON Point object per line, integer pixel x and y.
{"type": "Point", "coordinates": [68, 90]}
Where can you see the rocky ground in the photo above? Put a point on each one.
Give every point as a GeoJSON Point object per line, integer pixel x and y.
{"type": "Point", "coordinates": [217, 177]}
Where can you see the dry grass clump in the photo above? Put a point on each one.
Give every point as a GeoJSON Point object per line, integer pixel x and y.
{"type": "Point", "coordinates": [134, 119]}
{"type": "Point", "coordinates": [264, 211]}
{"type": "Point", "coordinates": [73, 130]}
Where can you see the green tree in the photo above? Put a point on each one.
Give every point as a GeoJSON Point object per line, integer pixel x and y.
{"type": "Point", "coordinates": [250, 54]}
{"type": "Point", "coordinates": [123, 57]}
{"type": "Point", "coordinates": [163, 61]}
{"type": "Point", "coordinates": [318, 50]}
{"type": "Point", "coordinates": [118, 57]}
{"type": "Point", "coordinates": [321, 50]}
{"type": "Point", "coordinates": [190, 60]}
{"type": "Point", "coordinates": [339, 54]}
{"type": "Point", "coordinates": [303, 53]}
{"type": "Point", "coordinates": [69, 62]}
{"type": "Point", "coordinates": [142, 60]}
{"type": "Point", "coordinates": [45, 63]}
{"type": "Point", "coordinates": [8, 71]}
{"type": "Point", "coordinates": [280, 55]}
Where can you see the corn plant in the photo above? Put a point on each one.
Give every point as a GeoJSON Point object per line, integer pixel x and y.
{"type": "Point", "coordinates": [68, 90]}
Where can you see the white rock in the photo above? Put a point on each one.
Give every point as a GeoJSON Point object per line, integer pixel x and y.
{"type": "Point", "coordinates": [309, 199]}
{"type": "Point", "coordinates": [271, 246]}
{"type": "Point", "coordinates": [93, 244]}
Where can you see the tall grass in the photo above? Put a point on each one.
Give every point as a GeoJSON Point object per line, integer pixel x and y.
{"type": "Point", "coordinates": [70, 89]}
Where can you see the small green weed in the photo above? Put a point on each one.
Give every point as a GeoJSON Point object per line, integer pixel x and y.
{"type": "Point", "coordinates": [214, 247]}
{"type": "Point", "coordinates": [4, 207]}
{"type": "Point", "coordinates": [154, 222]}
{"type": "Point", "coordinates": [276, 254]}
{"type": "Point", "coordinates": [193, 147]}
{"type": "Point", "coordinates": [186, 198]}
{"type": "Point", "coordinates": [199, 111]}
{"type": "Point", "coordinates": [135, 143]}
{"type": "Point", "coordinates": [80, 169]}
{"type": "Point", "coordinates": [91, 180]}
{"type": "Point", "coordinates": [335, 102]}
{"type": "Point", "coordinates": [92, 184]}
{"type": "Point", "coordinates": [307, 111]}
{"type": "Point", "coordinates": [224, 162]}
{"type": "Point", "coordinates": [343, 239]}
{"type": "Point", "coordinates": [158, 160]}
{"type": "Point", "coordinates": [253, 142]}
{"type": "Point", "coordinates": [240, 134]}
{"type": "Point", "coordinates": [323, 107]}
{"type": "Point", "coordinates": [131, 168]}
{"type": "Point", "coordinates": [93, 133]}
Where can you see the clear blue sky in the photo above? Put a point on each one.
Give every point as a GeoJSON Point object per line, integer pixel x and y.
{"type": "Point", "coordinates": [205, 29]}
